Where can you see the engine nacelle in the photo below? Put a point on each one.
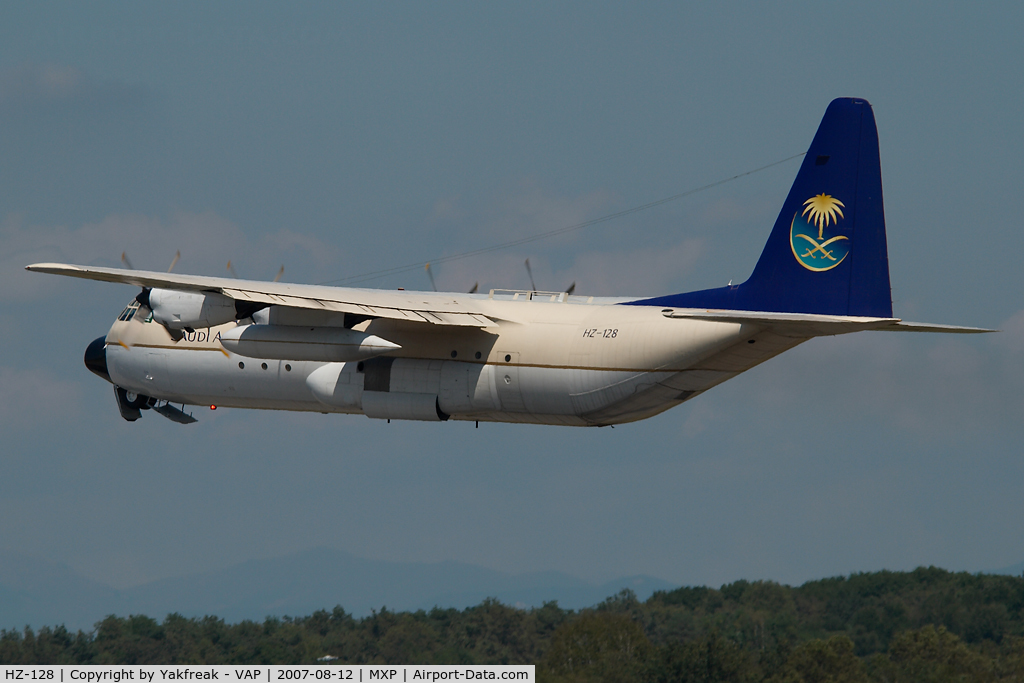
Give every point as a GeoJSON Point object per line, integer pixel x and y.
{"type": "Point", "coordinates": [291, 342]}
{"type": "Point", "coordinates": [188, 310]}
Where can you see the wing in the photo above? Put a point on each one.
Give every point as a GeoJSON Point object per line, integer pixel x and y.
{"type": "Point", "coordinates": [429, 307]}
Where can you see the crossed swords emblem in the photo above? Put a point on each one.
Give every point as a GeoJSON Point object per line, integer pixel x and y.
{"type": "Point", "coordinates": [816, 246]}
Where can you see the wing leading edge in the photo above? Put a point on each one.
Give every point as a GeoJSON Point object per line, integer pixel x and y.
{"type": "Point", "coordinates": [436, 309]}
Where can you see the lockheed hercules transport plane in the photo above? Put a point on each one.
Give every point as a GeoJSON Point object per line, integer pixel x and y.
{"type": "Point", "coordinates": [513, 356]}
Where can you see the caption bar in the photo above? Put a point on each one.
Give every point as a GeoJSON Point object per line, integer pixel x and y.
{"type": "Point", "coordinates": [359, 673]}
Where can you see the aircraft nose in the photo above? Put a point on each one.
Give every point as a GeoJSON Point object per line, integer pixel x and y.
{"type": "Point", "coordinates": [96, 357]}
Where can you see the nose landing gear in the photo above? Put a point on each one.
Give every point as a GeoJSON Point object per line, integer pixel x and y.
{"type": "Point", "coordinates": [131, 406]}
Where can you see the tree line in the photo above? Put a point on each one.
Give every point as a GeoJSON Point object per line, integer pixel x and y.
{"type": "Point", "coordinates": [924, 625]}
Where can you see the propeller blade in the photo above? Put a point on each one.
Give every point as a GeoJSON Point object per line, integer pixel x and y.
{"type": "Point", "coordinates": [174, 262]}
{"type": "Point", "coordinates": [232, 270]}
{"type": "Point", "coordinates": [571, 288]}
{"type": "Point", "coordinates": [277, 278]}
{"type": "Point", "coordinates": [431, 276]}
{"type": "Point", "coordinates": [530, 273]}
{"type": "Point", "coordinates": [125, 261]}
{"type": "Point", "coordinates": [476, 288]}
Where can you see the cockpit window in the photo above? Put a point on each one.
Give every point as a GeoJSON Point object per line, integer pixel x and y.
{"type": "Point", "coordinates": [129, 312]}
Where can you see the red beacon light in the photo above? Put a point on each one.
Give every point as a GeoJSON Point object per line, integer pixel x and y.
{"type": "Point", "coordinates": [212, 407]}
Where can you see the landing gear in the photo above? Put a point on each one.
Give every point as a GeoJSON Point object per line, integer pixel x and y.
{"type": "Point", "coordinates": [137, 401]}
{"type": "Point", "coordinates": [130, 404]}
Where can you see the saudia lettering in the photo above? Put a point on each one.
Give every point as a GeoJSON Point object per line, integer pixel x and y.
{"type": "Point", "coordinates": [814, 246]}
{"type": "Point", "coordinates": [198, 336]}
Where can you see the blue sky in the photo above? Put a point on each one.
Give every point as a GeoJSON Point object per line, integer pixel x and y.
{"type": "Point", "coordinates": [338, 139]}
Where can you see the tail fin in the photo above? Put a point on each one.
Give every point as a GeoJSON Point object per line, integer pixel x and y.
{"type": "Point", "coordinates": [827, 253]}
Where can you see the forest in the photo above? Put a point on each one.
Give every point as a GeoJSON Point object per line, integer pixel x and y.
{"type": "Point", "coordinates": [925, 625]}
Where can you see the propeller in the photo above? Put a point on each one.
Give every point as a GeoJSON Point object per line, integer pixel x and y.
{"type": "Point", "coordinates": [571, 288]}
{"type": "Point", "coordinates": [431, 276]}
{"type": "Point", "coordinates": [530, 273]}
{"type": "Point", "coordinates": [232, 270]}
{"type": "Point", "coordinates": [143, 296]}
{"type": "Point", "coordinates": [476, 288]}
{"type": "Point", "coordinates": [280, 273]}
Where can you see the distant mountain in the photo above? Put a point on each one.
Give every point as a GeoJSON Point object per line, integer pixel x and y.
{"type": "Point", "coordinates": [1012, 570]}
{"type": "Point", "coordinates": [36, 592]}
{"type": "Point", "coordinates": [320, 578]}
{"type": "Point", "coordinates": [39, 592]}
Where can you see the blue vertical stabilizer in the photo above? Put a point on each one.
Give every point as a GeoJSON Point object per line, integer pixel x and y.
{"type": "Point", "coordinates": [827, 253]}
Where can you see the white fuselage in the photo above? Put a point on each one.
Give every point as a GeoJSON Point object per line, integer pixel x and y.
{"type": "Point", "coordinates": [550, 359]}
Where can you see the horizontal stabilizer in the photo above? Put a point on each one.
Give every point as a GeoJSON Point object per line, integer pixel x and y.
{"type": "Point", "coordinates": [789, 324]}
{"type": "Point", "coordinates": [811, 324]}
{"type": "Point", "coordinates": [902, 326]}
